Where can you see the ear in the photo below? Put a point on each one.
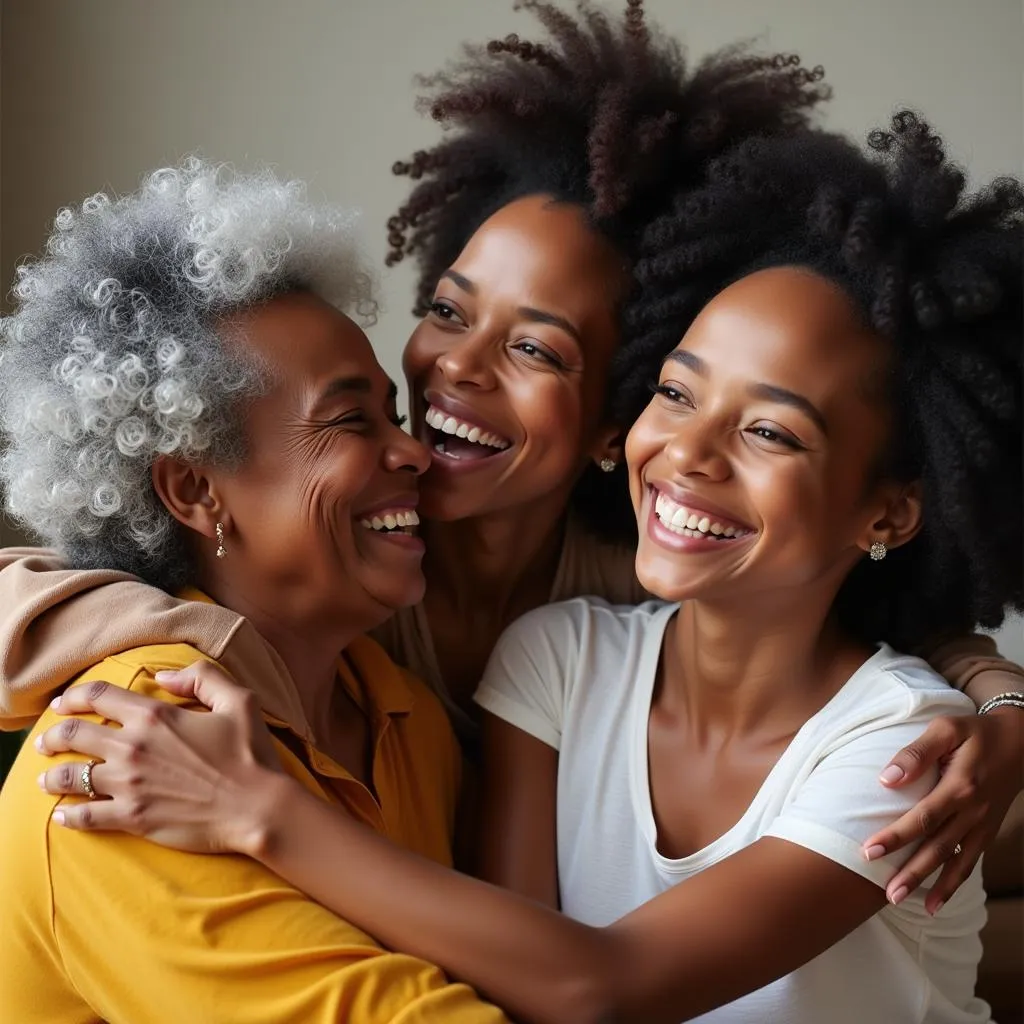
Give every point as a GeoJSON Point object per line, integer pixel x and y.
{"type": "Point", "coordinates": [900, 520]}
{"type": "Point", "coordinates": [189, 494]}
{"type": "Point", "coordinates": [609, 443]}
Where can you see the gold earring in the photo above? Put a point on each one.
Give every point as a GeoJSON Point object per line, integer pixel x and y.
{"type": "Point", "coordinates": [607, 465]}
{"type": "Point", "coordinates": [877, 551]}
{"type": "Point", "coordinates": [221, 550]}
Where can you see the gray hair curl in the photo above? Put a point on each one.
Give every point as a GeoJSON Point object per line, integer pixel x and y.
{"type": "Point", "coordinates": [112, 357]}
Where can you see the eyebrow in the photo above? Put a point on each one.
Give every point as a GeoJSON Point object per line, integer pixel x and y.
{"type": "Point", "coordinates": [770, 392]}
{"type": "Point", "coordinates": [350, 385]}
{"type": "Point", "coordinates": [463, 282]}
{"type": "Point", "coordinates": [539, 316]}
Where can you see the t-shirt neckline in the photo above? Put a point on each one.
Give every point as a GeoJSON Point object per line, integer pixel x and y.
{"type": "Point", "coordinates": [640, 782]}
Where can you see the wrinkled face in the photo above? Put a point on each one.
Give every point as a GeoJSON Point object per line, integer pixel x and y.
{"type": "Point", "coordinates": [508, 371]}
{"type": "Point", "coordinates": [754, 468]}
{"type": "Point", "coordinates": [323, 507]}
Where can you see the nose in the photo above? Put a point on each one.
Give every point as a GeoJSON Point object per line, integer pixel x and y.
{"type": "Point", "coordinates": [403, 453]}
{"type": "Point", "coordinates": [696, 449]}
{"type": "Point", "coordinates": [468, 361]}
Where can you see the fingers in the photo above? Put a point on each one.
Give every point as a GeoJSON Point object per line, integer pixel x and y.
{"type": "Point", "coordinates": [957, 870]}
{"type": "Point", "coordinates": [95, 816]}
{"type": "Point", "coordinates": [945, 850]}
{"type": "Point", "coordinates": [938, 741]}
{"type": "Point", "coordinates": [79, 736]}
{"type": "Point", "coordinates": [66, 779]}
{"type": "Point", "coordinates": [210, 685]}
{"type": "Point", "coordinates": [111, 702]}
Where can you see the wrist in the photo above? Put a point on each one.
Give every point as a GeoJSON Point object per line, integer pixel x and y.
{"type": "Point", "coordinates": [264, 799]}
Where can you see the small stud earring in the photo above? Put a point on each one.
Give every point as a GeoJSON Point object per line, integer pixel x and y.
{"type": "Point", "coordinates": [607, 465]}
{"type": "Point", "coordinates": [221, 550]}
{"type": "Point", "coordinates": [877, 551]}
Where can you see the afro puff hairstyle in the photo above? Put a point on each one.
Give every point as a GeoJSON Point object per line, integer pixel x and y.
{"type": "Point", "coordinates": [936, 271]}
{"type": "Point", "coordinates": [605, 114]}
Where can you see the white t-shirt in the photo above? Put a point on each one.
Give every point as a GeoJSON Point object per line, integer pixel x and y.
{"type": "Point", "coordinates": [579, 676]}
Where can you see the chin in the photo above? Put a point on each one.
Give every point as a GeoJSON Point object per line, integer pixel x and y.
{"type": "Point", "coordinates": [666, 582]}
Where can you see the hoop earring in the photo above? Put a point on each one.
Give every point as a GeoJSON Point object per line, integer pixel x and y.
{"type": "Point", "coordinates": [877, 551]}
{"type": "Point", "coordinates": [221, 550]}
{"type": "Point", "coordinates": [607, 465]}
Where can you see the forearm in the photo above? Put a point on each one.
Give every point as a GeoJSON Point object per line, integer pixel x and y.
{"type": "Point", "coordinates": [974, 665]}
{"type": "Point", "coordinates": [540, 966]}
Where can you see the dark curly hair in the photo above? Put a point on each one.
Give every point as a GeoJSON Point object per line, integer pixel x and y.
{"type": "Point", "coordinates": [606, 115]}
{"type": "Point", "coordinates": [935, 270]}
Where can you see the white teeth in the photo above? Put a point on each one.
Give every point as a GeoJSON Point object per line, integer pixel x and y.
{"type": "Point", "coordinates": [391, 520]}
{"type": "Point", "coordinates": [450, 425]}
{"type": "Point", "coordinates": [682, 520]}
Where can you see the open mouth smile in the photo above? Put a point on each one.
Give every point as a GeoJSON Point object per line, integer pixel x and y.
{"type": "Point", "coordinates": [691, 527]}
{"type": "Point", "coordinates": [457, 439]}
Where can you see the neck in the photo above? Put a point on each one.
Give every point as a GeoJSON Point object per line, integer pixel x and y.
{"type": "Point", "coordinates": [758, 666]}
{"type": "Point", "coordinates": [503, 563]}
{"type": "Point", "coordinates": [309, 650]}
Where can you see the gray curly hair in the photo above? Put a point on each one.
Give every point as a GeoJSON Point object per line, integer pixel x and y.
{"type": "Point", "coordinates": [112, 357]}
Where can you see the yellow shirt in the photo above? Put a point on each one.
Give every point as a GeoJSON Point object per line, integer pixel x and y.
{"type": "Point", "coordinates": [108, 927]}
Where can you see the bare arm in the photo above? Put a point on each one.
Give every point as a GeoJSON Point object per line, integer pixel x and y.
{"type": "Point", "coordinates": [517, 812]}
{"type": "Point", "coordinates": [656, 965]}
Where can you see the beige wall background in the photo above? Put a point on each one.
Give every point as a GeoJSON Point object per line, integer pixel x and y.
{"type": "Point", "coordinates": [93, 93]}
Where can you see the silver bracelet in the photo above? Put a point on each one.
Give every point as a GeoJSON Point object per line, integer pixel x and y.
{"type": "Point", "coordinates": [1002, 700]}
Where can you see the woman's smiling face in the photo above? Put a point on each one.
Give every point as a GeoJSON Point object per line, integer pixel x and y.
{"type": "Point", "coordinates": [508, 371]}
{"type": "Point", "coordinates": [754, 469]}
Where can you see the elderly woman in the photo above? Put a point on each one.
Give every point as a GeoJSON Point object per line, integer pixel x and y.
{"type": "Point", "coordinates": [185, 402]}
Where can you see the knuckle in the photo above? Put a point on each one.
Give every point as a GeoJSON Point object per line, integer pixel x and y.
{"type": "Point", "coordinates": [926, 821]}
{"type": "Point", "coordinates": [65, 776]}
{"type": "Point", "coordinates": [135, 751]}
{"type": "Point", "coordinates": [155, 715]}
{"type": "Point", "coordinates": [136, 811]}
{"type": "Point", "coordinates": [68, 728]}
{"type": "Point", "coordinates": [85, 819]}
{"type": "Point", "coordinates": [95, 690]}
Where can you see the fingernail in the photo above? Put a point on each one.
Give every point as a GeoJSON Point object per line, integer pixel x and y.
{"type": "Point", "coordinates": [899, 895]}
{"type": "Point", "coordinates": [874, 852]}
{"type": "Point", "coordinates": [892, 774]}
{"type": "Point", "coordinates": [165, 675]}
{"type": "Point", "coordinates": [55, 703]}
{"type": "Point", "coordinates": [42, 780]}
{"type": "Point", "coordinates": [58, 816]}
{"type": "Point", "coordinates": [38, 743]}
{"type": "Point", "coordinates": [938, 906]}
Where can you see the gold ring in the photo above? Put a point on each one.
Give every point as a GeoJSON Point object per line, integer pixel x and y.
{"type": "Point", "coordinates": [957, 850]}
{"type": "Point", "coordinates": [87, 780]}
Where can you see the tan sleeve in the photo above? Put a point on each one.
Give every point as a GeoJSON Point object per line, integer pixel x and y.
{"type": "Point", "coordinates": [973, 664]}
{"type": "Point", "coordinates": [57, 622]}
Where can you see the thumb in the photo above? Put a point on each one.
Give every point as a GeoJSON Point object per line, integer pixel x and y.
{"type": "Point", "coordinates": [935, 744]}
{"type": "Point", "coordinates": [205, 682]}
